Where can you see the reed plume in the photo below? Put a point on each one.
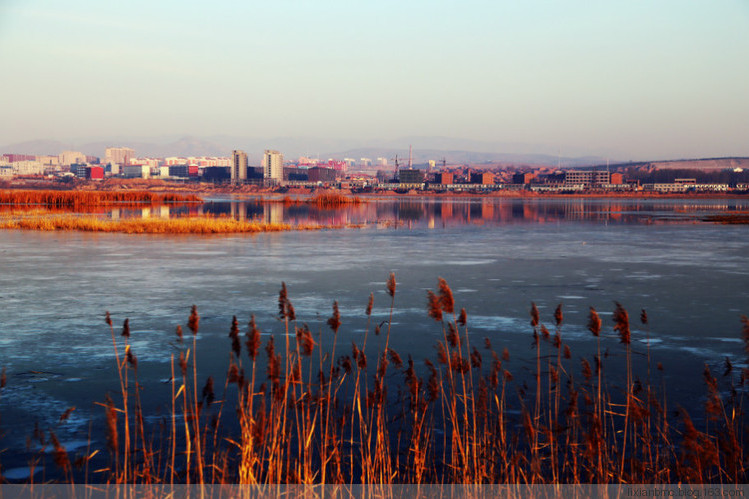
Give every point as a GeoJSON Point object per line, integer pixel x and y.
{"type": "Point", "coordinates": [307, 343]}
{"type": "Point", "coordinates": [447, 302]}
{"type": "Point", "coordinates": [390, 286]}
{"type": "Point", "coordinates": [253, 339]}
{"type": "Point", "coordinates": [594, 322]}
{"type": "Point", "coordinates": [621, 324]}
{"type": "Point", "coordinates": [558, 316]}
{"type": "Point", "coordinates": [370, 304]}
{"type": "Point", "coordinates": [236, 346]}
{"type": "Point", "coordinates": [194, 321]}
{"type": "Point", "coordinates": [434, 306]}
{"type": "Point", "coordinates": [534, 315]}
{"type": "Point", "coordinates": [335, 320]}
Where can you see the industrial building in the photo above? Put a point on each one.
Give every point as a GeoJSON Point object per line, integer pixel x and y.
{"type": "Point", "coordinates": [411, 176]}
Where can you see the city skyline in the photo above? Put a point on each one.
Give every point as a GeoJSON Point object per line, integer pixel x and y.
{"type": "Point", "coordinates": [636, 81]}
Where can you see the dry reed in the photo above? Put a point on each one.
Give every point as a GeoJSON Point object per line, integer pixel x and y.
{"type": "Point", "coordinates": [72, 199]}
{"type": "Point", "coordinates": [186, 225]}
{"type": "Point", "coordinates": [322, 418]}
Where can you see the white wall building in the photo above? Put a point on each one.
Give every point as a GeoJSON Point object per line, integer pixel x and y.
{"type": "Point", "coordinates": [28, 167]}
{"type": "Point", "coordinates": [136, 171]}
{"type": "Point", "coordinates": [273, 165]}
{"type": "Point", "coordinates": [118, 155]}
{"type": "Point", "coordinates": [67, 158]}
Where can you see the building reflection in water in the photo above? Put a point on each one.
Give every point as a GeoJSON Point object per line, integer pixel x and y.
{"type": "Point", "coordinates": [433, 213]}
{"type": "Point", "coordinates": [274, 213]}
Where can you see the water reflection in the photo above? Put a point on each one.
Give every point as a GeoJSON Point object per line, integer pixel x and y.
{"type": "Point", "coordinates": [432, 214]}
{"type": "Point", "coordinates": [428, 213]}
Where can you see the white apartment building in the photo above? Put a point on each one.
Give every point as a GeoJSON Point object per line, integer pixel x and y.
{"type": "Point", "coordinates": [67, 158]}
{"type": "Point", "coordinates": [118, 155]}
{"type": "Point", "coordinates": [28, 168]}
{"type": "Point", "coordinates": [273, 165]}
{"type": "Point", "coordinates": [238, 166]}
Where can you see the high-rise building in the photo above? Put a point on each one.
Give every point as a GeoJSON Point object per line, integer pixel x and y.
{"type": "Point", "coordinates": [273, 165]}
{"type": "Point", "coordinates": [118, 155]}
{"type": "Point", "coordinates": [238, 167]}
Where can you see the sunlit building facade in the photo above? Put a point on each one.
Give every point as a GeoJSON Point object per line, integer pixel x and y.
{"type": "Point", "coordinates": [273, 165]}
{"type": "Point", "coordinates": [238, 167]}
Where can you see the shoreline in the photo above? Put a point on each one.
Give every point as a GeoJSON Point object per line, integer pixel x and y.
{"type": "Point", "coordinates": [203, 189]}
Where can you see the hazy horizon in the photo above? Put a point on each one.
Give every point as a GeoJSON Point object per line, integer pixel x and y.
{"type": "Point", "coordinates": [635, 81]}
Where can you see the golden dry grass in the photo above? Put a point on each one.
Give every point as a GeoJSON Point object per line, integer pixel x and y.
{"type": "Point", "coordinates": [89, 198]}
{"type": "Point", "coordinates": [325, 200]}
{"type": "Point", "coordinates": [186, 225]}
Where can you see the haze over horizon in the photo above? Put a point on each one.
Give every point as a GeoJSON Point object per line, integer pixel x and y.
{"type": "Point", "coordinates": [633, 81]}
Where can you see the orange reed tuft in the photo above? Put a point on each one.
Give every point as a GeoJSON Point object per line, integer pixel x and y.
{"type": "Point", "coordinates": [446, 296]}
{"type": "Point", "coordinates": [594, 322]}
{"type": "Point", "coordinates": [335, 320]}
{"type": "Point", "coordinates": [621, 324]}
{"type": "Point", "coordinates": [391, 285]}
{"type": "Point", "coordinates": [194, 321]}
{"type": "Point", "coordinates": [253, 339]}
{"type": "Point", "coordinates": [534, 315]}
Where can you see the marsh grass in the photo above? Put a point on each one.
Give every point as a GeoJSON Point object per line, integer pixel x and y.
{"type": "Point", "coordinates": [182, 225]}
{"type": "Point", "coordinates": [299, 414]}
{"type": "Point", "coordinates": [73, 199]}
{"type": "Point", "coordinates": [325, 200]}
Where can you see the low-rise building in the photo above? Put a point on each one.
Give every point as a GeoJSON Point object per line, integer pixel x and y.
{"type": "Point", "coordinates": [27, 167]}
{"type": "Point", "coordinates": [94, 173]}
{"type": "Point", "coordinates": [523, 178]}
{"type": "Point", "coordinates": [320, 174]}
{"type": "Point", "coordinates": [411, 176]}
{"type": "Point", "coordinates": [136, 171]}
{"type": "Point", "coordinates": [588, 178]}
{"type": "Point", "coordinates": [482, 178]}
{"type": "Point", "coordinates": [444, 178]}
{"type": "Point", "coordinates": [67, 158]}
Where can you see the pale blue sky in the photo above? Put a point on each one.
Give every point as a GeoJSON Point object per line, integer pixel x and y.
{"type": "Point", "coordinates": [630, 79]}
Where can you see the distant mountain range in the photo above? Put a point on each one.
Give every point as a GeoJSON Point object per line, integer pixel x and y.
{"type": "Point", "coordinates": [453, 151]}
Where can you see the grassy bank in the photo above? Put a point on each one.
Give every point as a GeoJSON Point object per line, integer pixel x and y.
{"type": "Point", "coordinates": [288, 412]}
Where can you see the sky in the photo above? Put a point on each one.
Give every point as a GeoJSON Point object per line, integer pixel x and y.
{"type": "Point", "coordinates": [633, 80]}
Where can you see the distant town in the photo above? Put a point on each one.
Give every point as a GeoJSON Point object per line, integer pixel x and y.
{"type": "Point", "coordinates": [718, 175]}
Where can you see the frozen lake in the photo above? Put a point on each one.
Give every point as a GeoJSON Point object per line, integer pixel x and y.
{"type": "Point", "coordinates": [497, 256]}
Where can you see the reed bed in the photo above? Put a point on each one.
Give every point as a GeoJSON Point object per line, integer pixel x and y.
{"type": "Point", "coordinates": [325, 200]}
{"type": "Point", "coordinates": [733, 218]}
{"type": "Point", "coordinates": [90, 198]}
{"type": "Point", "coordinates": [183, 225]}
{"type": "Point", "coordinates": [287, 412]}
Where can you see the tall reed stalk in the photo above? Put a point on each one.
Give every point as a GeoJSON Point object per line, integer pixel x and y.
{"type": "Point", "coordinates": [322, 419]}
